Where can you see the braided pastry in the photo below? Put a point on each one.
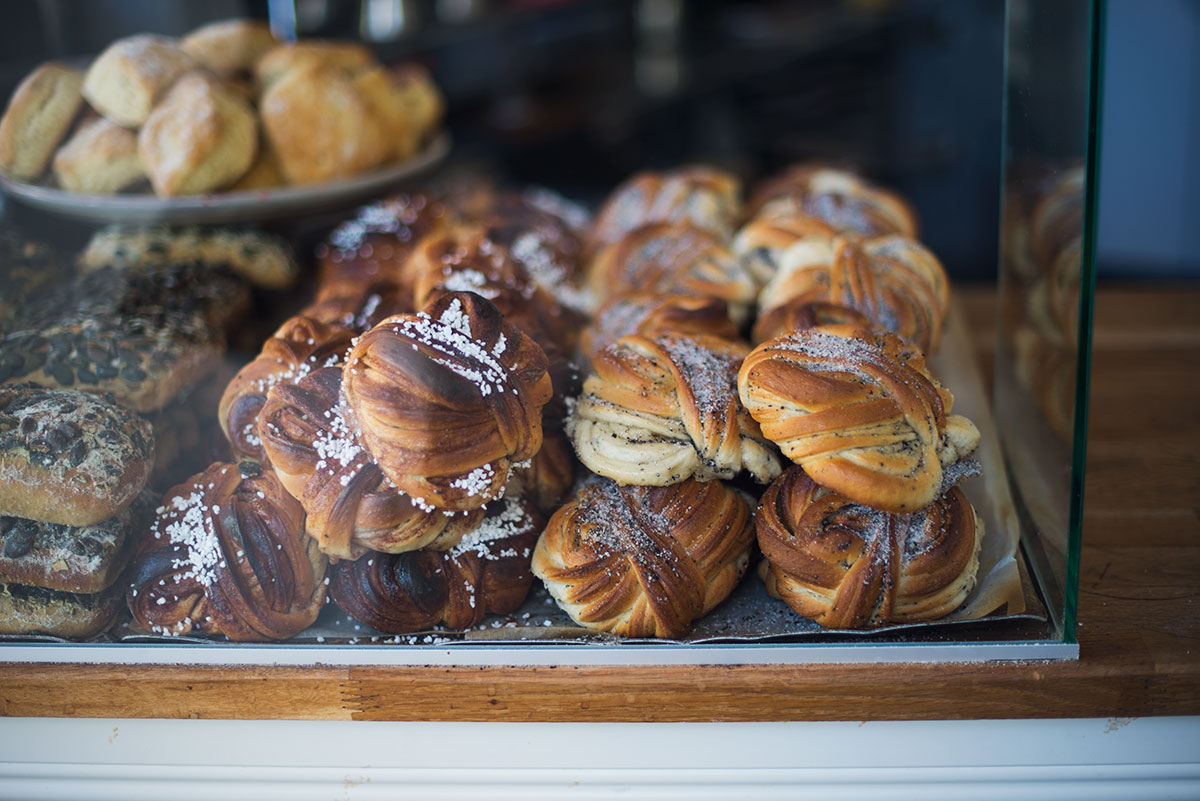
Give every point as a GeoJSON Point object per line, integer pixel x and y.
{"type": "Point", "coordinates": [842, 199]}
{"type": "Point", "coordinates": [361, 307]}
{"type": "Point", "coordinates": [299, 346]}
{"type": "Point", "coordinates": [541, 231]}
{"type": "Point", "coordinates": [848, 566]}
{"type": "Point", "coordinates": [653, 314]}
{"type": "Point", "coordinates": [698, 196]}
{"type": "Point", "coordinates": [446, 400]}
{"type": "Point", "coordinates": [658, 411]}
{"type": "Point", "coordinates": [351, 506]}
{"type": "Point", "coordinates": [760, 243]}
{"type": "Point", "coordinates": [467, 259]}
{"type": "Point", "coordinates": [895, 282]}
{"type": "Point", "coordinates": [665, 258]}
{"type": "Point", "coordinates": [374, 245]}
{"type": "Point", "coordinates": [545, 479]}
{"type": "Point", "coordinates": [645, 561]}
{"type": "Point", "coordinates": [800, 315]}
{"type": "Point", "coordinates": [486, 573]}
{"type": "Point", "coordinates": [859, 411]}
{"type": "Point", "coordinates": [227, 554]}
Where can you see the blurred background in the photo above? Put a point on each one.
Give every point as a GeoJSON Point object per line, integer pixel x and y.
{"type": "Point", "coordinates": [578, 94]}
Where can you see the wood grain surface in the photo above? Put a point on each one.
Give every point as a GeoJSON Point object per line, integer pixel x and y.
{"type": "Point", "coordinates": [1139, 598]}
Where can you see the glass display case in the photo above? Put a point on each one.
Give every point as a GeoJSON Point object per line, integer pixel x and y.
{"type": "Point", "coordinates": [577, 97]}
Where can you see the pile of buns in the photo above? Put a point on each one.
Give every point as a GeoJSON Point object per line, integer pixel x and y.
{"type": "Point", "coordinates": [226, 108]}
{"type": "Point", "coordinates": [407, 446]}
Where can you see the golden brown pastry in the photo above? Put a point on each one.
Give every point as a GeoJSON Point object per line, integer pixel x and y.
{"type": "Point", "coordinates": [126, 81]}
{"type": "Point", "coordinates": [264, 172]}
{"type": "Point", "coordinates": [465, 258]}
{"type": "Point", "coordinates": [800, 315]}
{"type": "Point", "coordinates": [374, 245]}
{"type": "Point", "coordinates": [651, 314]}
{"type": "Point", "coordinates": [540, 230]}
{"type": "Point", "coordinates": [348, 58]}
{"type": "Point", "coordinates": [422, 100]}
{"type": "Point", "coordinates": [37, 118]}
{"type": "Point", "coordinates": [546, 478]}
{"type": "Point", "coordinates": [320, 126]}
{"type": "Point", "coordinates": [231, 46]}
{"type": "Point", "coordinates": [363, 309]}
{"type": "Point", "coordinates": [658, 411]}
{"type": "Point", "coordinates": [351, 506]}
{"type": "Point", "coordinates": [447, 400]}
{"type": "Point", "coordinates": [486, 573]}
{"type": "Point", "coordinates": [895, 282]}
{"type": "Point", "coordinates": [38, 610]}
{"type": "Point", "coordinates": [859, 411]}
{"type": "Point", "coordinates": [100, 158]}
{"type": "Point", "coordinates": [669, 258]}
{"type": "Point", "coordinates": [300, 346]}
{"type": "Point", "coordinates": [842, 199]}
{"type": "Point", "coordinates": [200, 137]}
{"type": "Point", "coordinates": [645, 561]}
{"type": "Point", "coordinates": [703, 197]}
{"type": "Point", "coordinates": [762, 242]}
{"type": "Point", "coordinates": [227, 554]}
{"type": "Point", "coordinates": [848, 566]}
{"type": "Point", "coordinates": [69, 457]}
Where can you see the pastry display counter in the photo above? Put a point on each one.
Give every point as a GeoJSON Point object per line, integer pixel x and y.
{"type": "Point", "coordinates": [1139, 620]}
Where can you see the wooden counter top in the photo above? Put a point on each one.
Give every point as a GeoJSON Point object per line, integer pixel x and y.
{"type": "Point", "coordinates": [1139, 603]}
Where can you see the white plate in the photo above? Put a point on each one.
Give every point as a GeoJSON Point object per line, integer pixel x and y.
{"type": "Point", "coordinates": [226, 207]}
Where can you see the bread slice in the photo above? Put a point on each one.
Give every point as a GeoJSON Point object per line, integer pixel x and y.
{"type": "Point", "coordinates": [37, 119]}
{"type": "Point", "coordinates": [100, 158]}
{"type": "Point", "coordinates": [126, 80]}
{"type": "Point", "coordinates": [230, 46]}
{"type": "Point", "coordinates": [321, 127]}
{"type": "Point", "coordinates": [200, 138]}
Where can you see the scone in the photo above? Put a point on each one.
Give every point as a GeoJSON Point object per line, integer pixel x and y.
{"type": "Point", "coordinates": [321, 127]}
{"type": "Point", "coordinates": [100, 158]}
{"type": "Point", "coordinates": [230, 46]}
{"type": "Point", "coordinates": [264, 173]}
{"type": "Point", "coordinates": [391, 105]}
{"type": "Point", "coordinates": [349, 58]}
{"type": "Point", "coordinates": [37, 119]}
{"type": "Point", "coordinates": [127, 79]}
{"type": "Point", "coordinates": [201, 137]}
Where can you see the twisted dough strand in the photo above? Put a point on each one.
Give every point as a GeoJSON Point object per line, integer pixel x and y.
{"type": "Point", "coordinates": [859, 411]}
{"type": "Point", "coordinates": [446, 401]}
{"type": "Point", "coordinates": [645, 561]}
{"type": "Point", "coordinates": [351, 506]}
{"type": "Point", "coordinates": [658, 411]}
{"type": "Point", "coordinates": [227, 554]}
{"type": "Point", "coordinates": [845, 565]}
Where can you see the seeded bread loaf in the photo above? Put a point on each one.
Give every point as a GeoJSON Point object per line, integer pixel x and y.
{"type": "Point", "coordinates": [125, 81]}
{"type": "Point", "coordinates": [262, 259]}
{"type": "Point", "coordinates": [37, 119]}
{"type": "Point", "coordinates": [100, 158]}
{"type": "Point", "coordinates": [69, 457]}
{"type": "Point", "coordinates": [37, 610]}
{"type": "Point", "coordinates": [84, 559]}
{"type": "Point", "coordinates": [144, 336]}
